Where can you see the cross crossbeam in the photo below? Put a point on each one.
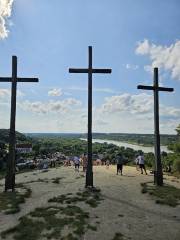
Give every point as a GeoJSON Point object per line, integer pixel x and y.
{"type": "Point", "coordinates": [162, 89]}
{"type": "Point", "coordinates": [18, 79]}
{"type": "Point", "coordinates": [90, 70]}
{"type": "Point", "coordinates": [158, 176]}
{"type": "Point", "coordinates": [85, 70]}
{"type": "Point", "coordinates": [10, 175]}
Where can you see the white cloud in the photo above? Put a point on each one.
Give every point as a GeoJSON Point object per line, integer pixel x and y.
{"type": "Point", "coordinates": [104, 90]}
{"type": "Point", "coordinates": [100, 122]}
{"type": "Point", "coordinates": [55, 92]}
{"type": "Point", "coordinates": [20, 93]}
{"type": "Point", "coordinates": [140, 103]}
{"type": "Point", "coordinates": [169, 111]}
{"type": "Point", "coordinates": [120, 113]}
{"type": "Point", "coordinates": [131, 66]}
{"type": "Point", "coordinates": [170, 124]}
{"type": "Point", "coordinates": [73, 88]}
{"type": "Point", "coordinates": [4, 93]}
{"type": "Point", "coordinates": [137, 104]}
{"type": "Point", "coordinates": [5, 13]}
{"type": "Point", "coordinates": [50, 106]}
{"type": "Point", "coordinates": [143, 47]}
{"type": "Point", "coordinates": [135, 114]}
{"type": "Point", "coordinates": [165, 57]}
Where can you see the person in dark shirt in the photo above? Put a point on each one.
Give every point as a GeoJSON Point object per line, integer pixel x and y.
{"type": "Point", "coordinates": [119, 162]}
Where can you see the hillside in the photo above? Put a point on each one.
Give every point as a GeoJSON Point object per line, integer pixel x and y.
{"type": "Point", "coordinates": [4, 136]}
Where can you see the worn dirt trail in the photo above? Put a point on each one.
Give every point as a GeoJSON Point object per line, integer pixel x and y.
{"type": "Point", "coordinates": [124, 208]}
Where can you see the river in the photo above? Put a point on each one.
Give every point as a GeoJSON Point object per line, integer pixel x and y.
{"type": "Point", "coordinates": [128, 145]}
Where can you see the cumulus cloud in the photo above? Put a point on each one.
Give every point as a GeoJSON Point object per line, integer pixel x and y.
{"type": "Point", "coordinates": [50, 106]}
{"type": "Point", "coordinates": [165, 57]}
{"type": "Point", "coordinates": [55, 92]}
{"type": "Point", "coordinates": [5, 13]}
{"type": "Point", "coordinates": [133, 113]}
{"type": "Point", "coordinates": [140, 103]}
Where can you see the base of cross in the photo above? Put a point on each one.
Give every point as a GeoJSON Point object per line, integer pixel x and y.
{"type": "Point", "coordinates": [89, 179]}
{"type": "Point", "coordinates": [10, 182]}
{"type": "Point", "coordinates": [158, 178]}
{"type": "Point", "coordinates": [93, 189]}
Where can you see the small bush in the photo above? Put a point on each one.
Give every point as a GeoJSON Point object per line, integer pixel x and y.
{"type": "Point", "coordinates": [176, 165]}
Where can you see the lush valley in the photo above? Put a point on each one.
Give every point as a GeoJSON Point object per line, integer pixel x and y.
{"type": "Point", "coordinates": [71, 145]}
{"type": "Point", "coordinates": [139, 139]}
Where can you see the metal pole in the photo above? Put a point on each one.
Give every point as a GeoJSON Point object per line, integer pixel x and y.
{"type": "Point", "coordinates": [89, 172]}
{"type": "Point", "coordinates": [158, 165]}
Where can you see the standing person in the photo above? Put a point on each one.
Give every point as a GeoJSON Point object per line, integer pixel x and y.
{"type": "Point", "coordinates": [141, 163]}
{"type": "Point", "coordinates": [76, 163]}
{"type": "Point", "coordinates": [119, 162]}
{"type": "Point", "coordinates": [137, 163]}
{"type": "Point", "coordinates": [84, 163]}
{"type": "Point", "coordinates": [107, 164]}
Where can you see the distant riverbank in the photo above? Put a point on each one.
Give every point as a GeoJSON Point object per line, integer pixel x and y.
{"type": "Point", "coordinates": [129, 145]}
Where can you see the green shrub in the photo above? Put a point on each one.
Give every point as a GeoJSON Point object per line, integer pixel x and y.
{"type": "Point", "coordinates": [176, 165]}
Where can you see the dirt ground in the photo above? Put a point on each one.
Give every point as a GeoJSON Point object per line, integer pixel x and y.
{"type": "Point", "coordinates": [124, 208]}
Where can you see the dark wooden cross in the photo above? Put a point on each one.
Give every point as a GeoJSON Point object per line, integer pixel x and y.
{"type": "Point", "coordinates": [90, 70]}
{"type": "Point", "coordinates": [158, 175]}
{"type": "Point", "coordinates": [11, 164]}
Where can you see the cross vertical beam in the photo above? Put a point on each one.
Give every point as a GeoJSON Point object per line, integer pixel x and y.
{"type": "Point", "coordinates": [11, 162]}
{"type": "Point", "coordinates": [10, 177]}
{"type": "Point", "coordinates": [158, 175]}
{"type": "Point", "coordinates": [90, 70]}
{"type": "Point", "coordinates": [89, 172]}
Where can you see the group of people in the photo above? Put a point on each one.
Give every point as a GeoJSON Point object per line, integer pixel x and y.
{"type": "Point", "coordinates": [120, 161]}
{"type": "Point", "coordinates": [140, 164]}
{"type": "Point", "coordinates": [82, 160]}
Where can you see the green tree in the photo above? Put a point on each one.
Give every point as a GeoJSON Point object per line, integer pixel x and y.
{"type": "Point", "coordinates": [178, 130]}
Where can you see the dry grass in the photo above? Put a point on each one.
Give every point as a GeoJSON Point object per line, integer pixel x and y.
{"type": "Point", "coordinates": [168, 195]}
{"type": "Point", "coordinates": [10, 201]}
{"type": "Point", "coordinates": [50, 222]}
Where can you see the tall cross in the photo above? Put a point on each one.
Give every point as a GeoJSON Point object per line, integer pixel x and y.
{"type": "Point", "coordinates": [158, 175]}
{"type": "Point", "coordinates": [90, 70]}
{"type": "Point", "coordinates": [10, 176]}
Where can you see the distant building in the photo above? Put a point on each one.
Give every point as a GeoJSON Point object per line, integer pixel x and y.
{"type": "Point", "coordinates": [24, 148]}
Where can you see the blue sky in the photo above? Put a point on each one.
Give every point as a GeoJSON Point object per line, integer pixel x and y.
{"type": "Point", "coordinates": [131, 37]}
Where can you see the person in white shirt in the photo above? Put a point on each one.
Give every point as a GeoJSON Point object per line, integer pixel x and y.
{"type": "Point", "coordinates": [141, 163]}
